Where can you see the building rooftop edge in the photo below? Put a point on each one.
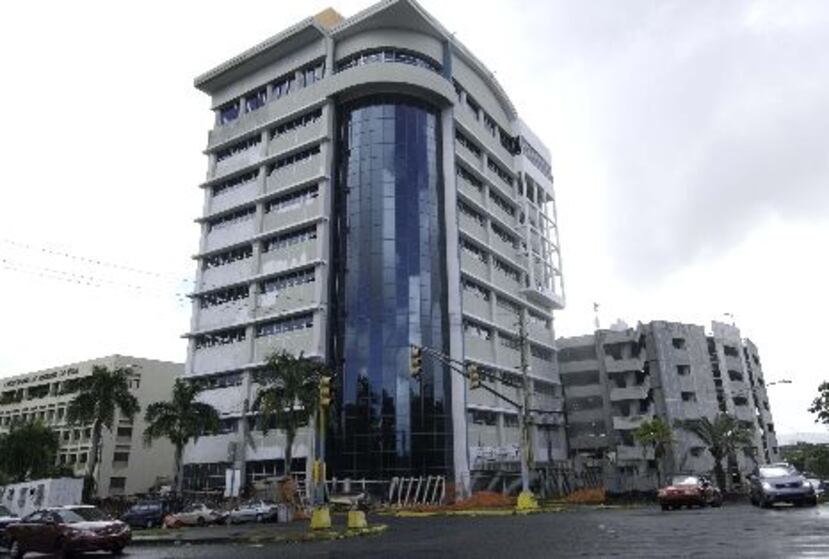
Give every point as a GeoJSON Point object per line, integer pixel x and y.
{"type": "Point", "coordinates": [112, 356]}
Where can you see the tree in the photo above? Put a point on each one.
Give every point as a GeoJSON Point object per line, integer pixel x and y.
{"type": "Point", "coordinates": [806, 457]}
{"type": "Point", "coordinates": [723, 437]}
{"type": "Point", "coordinates": [657, 435]}
{"type": "Point", "coordinates": [289, 395]}
{"type": "Point", "coordinates": [99, 395]}
{"type": "Point", "coordinates": [180, 420]}
{"type": "Point", "coordinates": [820, 405]}
{"type": "Point", "coordinates": [28, 451]}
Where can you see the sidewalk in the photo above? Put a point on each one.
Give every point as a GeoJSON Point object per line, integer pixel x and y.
{"type": "Point", "coordinates": [252, 533]}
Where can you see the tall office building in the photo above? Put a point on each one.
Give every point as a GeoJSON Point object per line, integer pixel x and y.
{"type": "Point", "coordinates": [370, 186]}
{"type": "Point", "coordinates": [614, 380]}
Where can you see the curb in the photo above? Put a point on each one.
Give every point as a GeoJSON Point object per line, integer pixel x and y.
{"type": "Point", "coordinates": [296, 537]}
{"type": "Point", "coordinates": [475, 512]}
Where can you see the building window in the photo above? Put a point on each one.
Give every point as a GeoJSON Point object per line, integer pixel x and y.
{"type": "Point", "coordinates": [678, 343]}
{"type": "Point", "coordinates": [508, 341]}
{"type": "Point", "coordinates": [466, 210]}
{"type": "Point", "coordinates": [232, 218]}
{"type": "Point", "coordinates": [222, 297]}
{"type": "Point", "coordinates": [502, 174]}
{"type": "Point", "coordinates": [475, 290]}
{"type": "Point", "coordinates": [283, 86]}
{"type": "Point", "coordinates": [731, 351]}
{"type": "Point", "coordinates": [538, 320]}
{"type": "Point", "coordinates": [230, 184]}
{"type": "Point", "coordinates": [224, 337]}
{"type": "Point", "coordinates": [481, 417]}
{"type": "Point", "coordinates": [541, 353]}
{"type": "Point", "coordinates": [215, 382]}
{"type": "Point", "coordinates": [740, 401]}
{"type": "Point", "coordinates": [508, 270]}
{"type": "Point", "coordinates": [229, 112]}
{"type": "Point", "coordinates": [689, 397]}
{"type": "Point", "coordinates": [256, 99]}
{"type": "Point", "coordinates": [474, 251]}
{"type": "Point", "coordinates": [683, 370]}
{"type": "Point", "coordinates": [285, 325]}
{"type": "Point", "coordinates": [473, 106]}
{"type": "Point", "coordinates": [289, 239]}
{"type": "Point", "coordinates": [510, 421]}
{"type": "Point", "coordinates": [284, 281]}
{"type": "Point", "coordinates": [536, 159]}
{"type": "Point", "coordinates": [120, 457]}
{"type": "Point", "coordinates": [227, 257]}
{"type": "Point", "coordinates": [293, 159]}
{"type": "Point", "coordinates": [311, 73]}
{"type": "Point", "coordinates": [402, 56]}
{"type": "Point", "coordinates": [117, 483]}
{"type": "Point", "coordinates": [735, 376]}
{"type": "Point", "coordinates": [505, 236]}
{"type": "Point", "coordinates": [467, 143]}
{"type": "Point", "coordinates": [293, 200]}
{"type": "Point", "coordinates": [490, 125]}
{"type": "Point", "coordinates": [469, 178]}
{"type": "Point", "coordinates": [502, 203]}
{"type": "Point", "coordinates": [125, 432]}
{"type": "Point", "coordinates": [296, 124]}
{"type": "Point", "coordinates": [477, 330]}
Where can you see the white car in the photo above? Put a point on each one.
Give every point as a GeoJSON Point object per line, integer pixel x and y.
{"type": "Point", "coordinates": [197, 514]}
{"type": "Point", "coordinates": [258, 510]}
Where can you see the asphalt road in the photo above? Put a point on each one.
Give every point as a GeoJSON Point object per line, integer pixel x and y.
{"type": "Point", "coordinates": [732, 531]}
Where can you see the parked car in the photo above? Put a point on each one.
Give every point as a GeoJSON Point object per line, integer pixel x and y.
{"type": "Point", "coordinates": [67, 530]}
{"type": "Point", "coordinates": [689, 490]}
{"type": "Point", "coordinates": [820, 487]}
{"type": "Point", "coordinates": [257, 510]}
{"type": "Point", "coordinates": [6, 518]}
{"type": "Point", "coordinates": [778, 483]}
{"type": "Point", "coordinates": [197, 514]}
{"type": "Point", "coordinates": [147, 514]}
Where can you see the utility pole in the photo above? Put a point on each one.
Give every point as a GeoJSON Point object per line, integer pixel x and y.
{"type": "Point", "coordinates": [526, 500]}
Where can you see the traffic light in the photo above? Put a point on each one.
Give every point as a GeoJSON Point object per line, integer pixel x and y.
{"type": "Point", "coordinates": [416, 362]}
{"type": "Point", "coordinates": [325, 391]}
{"type": "Point", "coordinates": [474, 376]}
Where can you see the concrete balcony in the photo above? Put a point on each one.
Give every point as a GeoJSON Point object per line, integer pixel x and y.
{"type": "Point", "coordinates": [278, 260]}
{"type": "Point", "coordinates": [298, 137]}
{"type": "Point", "coordinates": [633, 453]}
{"type": "Point", "coordinates": [472, 226]}
{"type": "Point", "coordinates": [629, 423]}
{"type": "Point", "coordinates": [623, 365]}
{"type": "Point", "coordinates": [296, 214]}
{"type": "Point", "coordinates": [553, 404]}
{"type": "Point", "coordinates": [471, 192]}
{"type": "Point", "coordinates": [478, 348]}
{"type": "Point", "coordinates": [543, 296]}
{"type": "Point", "coordinates": [305, 171]}
{"type": "Point", "coordinates": [221, 358]}
{"type": "Point", "coordinates": [476, 306]}
{"type": "Point", "coordinates": [238, 160]}
{"type": "Point", "coordinates": [210, 449]}
{"type": "Point", "coordinates": [584, 391]}
{"type": "Point", "coordinates": [473, 266]}
{"type": "Point", "coordinates": [594, 415]}
{"type": "Point", "coordinates": [227, 274]}
{"type": "Point", "coordinates": [227, 401]}
{"type": "Point", "coordinates": [294, 342]}
{"type": "Point", "coordinates": [229, 234]}
{"type": "Point", "coordinates": [223, 315]}
{"type": "Point", "coordinates": [501, 215]}
{"type": "Point", "coordinates": [505, 282]}
{"type": "Point", "coordinates": [234, 196]}
{"type": "Point", "coordinates": [285, 300]}
{"type": "Point", "coordinates": [508, 358]}
{"type": "Point", "coordinates": [481, 397]}
{"type": "Point", "coordinates": [639, 392]}
{"type": "Point", "coordinates": [588, 442]}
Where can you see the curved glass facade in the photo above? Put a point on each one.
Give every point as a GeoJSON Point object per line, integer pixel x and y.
{"type": "Point", "coordinates": [389, 291]}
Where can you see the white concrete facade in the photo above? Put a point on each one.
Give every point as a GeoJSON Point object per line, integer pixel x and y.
{"type": "Point", "coordinates": [267, 214]}
{"type": "Point", "coordinates": [126, 466]}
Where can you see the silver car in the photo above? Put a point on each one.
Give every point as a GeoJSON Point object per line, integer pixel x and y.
{"type": "Point", "coordinates": [781, 483]}
{"type": "Point", "coordinates": [253, 511]}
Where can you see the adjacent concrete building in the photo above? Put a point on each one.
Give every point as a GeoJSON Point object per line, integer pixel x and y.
{"type": "Point", "coordinates": [126, 466]}
{"type": "Point", "coordinates": [614, 380]}
{"type": "Point", "coordinates": [370, 186]}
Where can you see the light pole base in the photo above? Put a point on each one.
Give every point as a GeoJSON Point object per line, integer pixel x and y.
{"type": "Point", "coordinates": [526, 502]}
{"type": "Point", "coordinates": [321, 518]}
{"type": "Point", "coordinates": [357, 520]}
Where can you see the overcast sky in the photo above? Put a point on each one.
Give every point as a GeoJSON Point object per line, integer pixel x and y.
{"type": "Point", "coordinates": [690, 148]}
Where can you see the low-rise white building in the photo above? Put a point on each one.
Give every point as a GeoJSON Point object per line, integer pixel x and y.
{"type": "Point", "coordinates": [126, 466]}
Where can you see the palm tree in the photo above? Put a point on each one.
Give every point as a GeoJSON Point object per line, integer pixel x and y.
{"type": "Point", "coordinates": [98, 397]}
{"type": "Point", "coordinates": [181, 420]}
{"type": "Point", "coordinates": [723, 437]}
{"type": "Point", "coordinates": [657, 435]}
{"type": "Point", "coordinates": [289, 395]}
{"type": "Point", "coordinates": [28, 451]}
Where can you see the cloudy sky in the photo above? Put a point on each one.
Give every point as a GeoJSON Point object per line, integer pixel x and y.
{"type": "Point", "coordinates": [690, 143]}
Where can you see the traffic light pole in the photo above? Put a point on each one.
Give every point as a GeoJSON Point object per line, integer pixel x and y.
{"type": "Point", "coordinates": [321, 515]}
{"type": "Point", "coordinates": [526, 500]}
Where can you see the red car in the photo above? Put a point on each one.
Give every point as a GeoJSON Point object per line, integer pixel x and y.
{"type": "Point", "coordinates": [66, 530]}
{"type": "Point", "coordinates": [689, 490]}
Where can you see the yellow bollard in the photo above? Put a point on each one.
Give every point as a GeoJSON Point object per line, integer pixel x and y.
{"type": "Point", "coordinates": [357, 520]}
{"type": "Point", "coordinates": [526, 502]}
{"type": "Point", "coordinates": [321, 518]}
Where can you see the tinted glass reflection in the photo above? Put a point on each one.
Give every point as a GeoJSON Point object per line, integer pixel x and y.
{"type": "Point", "coordinates": [389, 291]}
